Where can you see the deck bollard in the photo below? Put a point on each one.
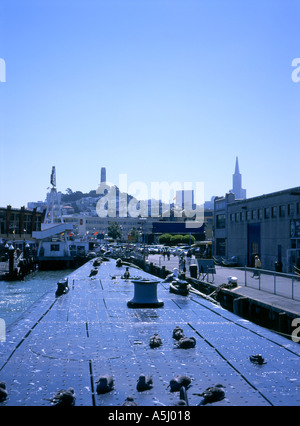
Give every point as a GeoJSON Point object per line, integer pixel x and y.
{"type": "Point", "coordinates": [62, 287]}
{"type": "Point", "coordinates": [145, 295]}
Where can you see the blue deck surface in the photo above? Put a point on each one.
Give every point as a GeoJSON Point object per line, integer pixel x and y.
{"type": "Point", "coordinates": [90, 331]}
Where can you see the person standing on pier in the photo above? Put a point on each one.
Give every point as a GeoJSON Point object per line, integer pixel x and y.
{"type": "Point", "coordinates": [257, 265]}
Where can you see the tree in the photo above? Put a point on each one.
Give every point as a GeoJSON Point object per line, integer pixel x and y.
{"type": "Point", "coordinates": [134, 234]}
{"type": "Point", "coordinates": [176, 239]}
{"type": "Point", "coordinates": [188, 239]}
{"type": "Point", "coordinates": [165, 239]}
{"type": "Point", "coordinates": [114, 231]}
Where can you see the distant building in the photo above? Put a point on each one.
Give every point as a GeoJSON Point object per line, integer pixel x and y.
{"type": "Point", "coordinates": [237, 190]}
{"type": "Point", "coordinates": [267, 225]}
{"type": "Point", "coordinates": [185, 198]}
{"type": "Point", "coordinates": [209, 205]}
{"type": "Point", "coordinates": [67, 209]}
{"type": "Point", "coordinates": [103, 175]}
{"type": "Point", "coordinates": [87, 227]}
{"type": "Point", "coordinates": [40, 206]}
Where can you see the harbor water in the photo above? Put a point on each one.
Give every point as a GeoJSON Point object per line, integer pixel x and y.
{"type": "Point", "coordinates": [16, 297]}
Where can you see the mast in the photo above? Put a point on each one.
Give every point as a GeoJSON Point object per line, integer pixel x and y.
{"type": "Point", "coordinates": [53, 212]}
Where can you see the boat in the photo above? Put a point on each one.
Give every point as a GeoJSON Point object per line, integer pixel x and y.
{"type": "Point", "coordinates": [56, 250]}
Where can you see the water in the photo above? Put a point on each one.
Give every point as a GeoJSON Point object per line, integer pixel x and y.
{"type": "Point", "coordinates": [17, 296]}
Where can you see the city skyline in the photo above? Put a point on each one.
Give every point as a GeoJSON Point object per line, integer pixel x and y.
{"type": "Point", "coordinates": [184, 194]}
{"type": "Point", "coordinates": [162, 91]}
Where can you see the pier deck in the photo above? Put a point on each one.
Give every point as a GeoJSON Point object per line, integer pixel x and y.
{"type": "Point", "coordinates": [71, 340]}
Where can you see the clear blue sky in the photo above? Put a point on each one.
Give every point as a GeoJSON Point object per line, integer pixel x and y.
{"type": "Point", "coordinates": [161, 90]}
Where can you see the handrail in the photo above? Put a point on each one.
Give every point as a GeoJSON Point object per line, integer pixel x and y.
{"type": "Point", "coordinates": [261, 273]}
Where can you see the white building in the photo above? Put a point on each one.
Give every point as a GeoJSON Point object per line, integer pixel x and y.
{"type": "Point", "coordinates": [91, 226]}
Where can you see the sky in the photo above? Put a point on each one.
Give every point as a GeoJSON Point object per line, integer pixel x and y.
{"type": "Point", "coordinates": [157, 90]}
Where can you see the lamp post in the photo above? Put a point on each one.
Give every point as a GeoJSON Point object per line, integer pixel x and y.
{"type": "Point", "coordinates": [6, 247]}
{"type": "Point", "coordinates": [11, 252]}
{"type": "Point", "coordinates": [13, 227]}
{"type": "Point", "coordinates": [24, 244]}
{"type": "Point", "coordinates": [27, 248]}
{"type": "Point", "coordinates": [143, 220]}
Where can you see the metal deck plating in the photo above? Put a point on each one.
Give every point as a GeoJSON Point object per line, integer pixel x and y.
{"type": "Point", "coordinates": [72, 340]}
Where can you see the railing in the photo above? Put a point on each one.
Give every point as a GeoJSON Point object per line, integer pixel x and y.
{"type": "Point", "coordinates": [285, 285]}
{"type": "Point", "coordinates": [4, 267]}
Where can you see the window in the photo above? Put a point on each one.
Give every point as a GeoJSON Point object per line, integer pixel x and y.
{"type": "Point", "coordinates": [37, 225]}
{"type": "Point", "coordinates": [274, 211]}
{"type": "Point", "coordinates": [220, 205]}
{"type": "Point", "coordinates": [27, 223]}
{"type": "Point", "coordinates": [220, 221]}
{"type": "Point", "coordinates": [291, 210]}
{"type": "Point", "coordinates": [254, 214]}
{"type": "Point", "coordinates": [260, 214]}
{"type": "Point", "coordinates": [221, 247]}
{"type": "Point", "coordinates": [54, 247]}
{"type": "Point", "coordinates": [267, 212]}
{"type": "Point", "coordinates": [281, 211]}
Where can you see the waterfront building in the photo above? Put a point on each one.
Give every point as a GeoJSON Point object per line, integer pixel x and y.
{"type": "Point", "coordinates": [267, 226]}
{"type": "Point", "coordinates": [18, 224]}
{"type": "Point", "coordinates": [17, 227]}
{"type": "Point", "coordinates": [86, 226]}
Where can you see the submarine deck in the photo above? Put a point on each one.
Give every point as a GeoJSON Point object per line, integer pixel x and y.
{"type": "Point", "coordinates": [71, 340]}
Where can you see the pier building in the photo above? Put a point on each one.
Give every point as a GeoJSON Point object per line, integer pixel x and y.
{"type": "Point", "coordinates": [17, 225]}
{"type": "Point", "coordinates": [267, 226]}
